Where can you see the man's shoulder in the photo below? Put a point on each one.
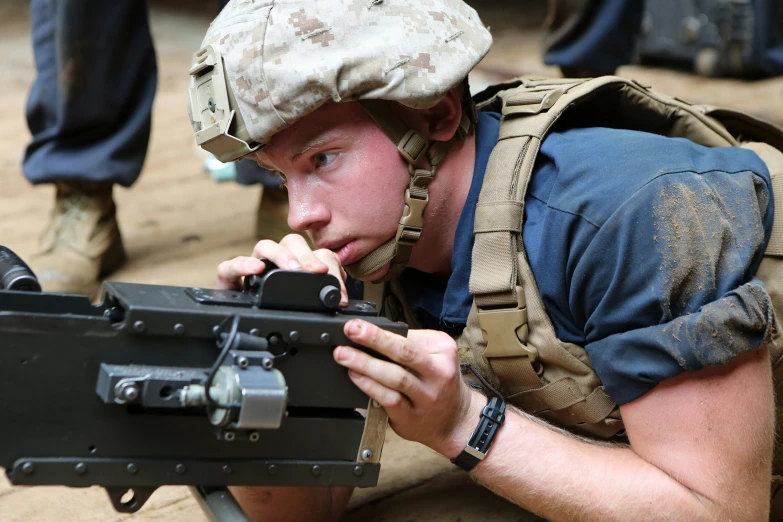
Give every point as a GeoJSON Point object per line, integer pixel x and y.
{"type": "Point", "coordinates": [592, 172]}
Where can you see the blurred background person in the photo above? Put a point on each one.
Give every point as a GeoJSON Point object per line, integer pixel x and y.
{"type": "Point", "coordinates": [89, 111]}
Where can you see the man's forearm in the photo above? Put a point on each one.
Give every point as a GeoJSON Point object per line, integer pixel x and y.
{"type": "Point", "coordinates": [565, 478]}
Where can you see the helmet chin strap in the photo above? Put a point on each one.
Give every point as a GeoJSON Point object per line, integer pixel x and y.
{"type": "Point", "coordinates": [412, 146]}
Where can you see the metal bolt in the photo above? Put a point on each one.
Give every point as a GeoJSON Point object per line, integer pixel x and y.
{"type": "Point", "coordinates": [243, 362]}
{"type": "Point", "coordinates": [229, 436]}
{"type": "Point", "coordinates": [367, 454]}
{"type": "Point", "coordinates": [316, 470]}
{"type": "Point", "coordinates": [215, 329]}
{"type": "Point", "coordinates": [272, 469]}
{"type": "Point", "coordinates": [129, 392]}
{"type": "Point", "coordinates": [293, 335]}
{"type": "Point", "coordinates": [227, 469]}
{"type": "Point", "coordinates": [273, 340]}
{"type": "Point", "coordinates": [254, 436]}
{"type": "Point", "coordinates": [267, 363]}
{"type": "Point", "coordinates": [139, 326]}
{"type": "Point", "coordinates": [28, 468]}
{"type": "Point", "coordinates": [132, 468]}
{"type": "Point", "coordinates": [358, 471]}
{"type": "Point", "coordinates": [179, 328]}
{"type": "Point", "coordinates": [180, 469]}
{"type": "Point", "coordinates": [325, 338]}
{"type": "Point", "coordinates": [255, 332]}
{"type": "Point", "coordinates": [80, 468]}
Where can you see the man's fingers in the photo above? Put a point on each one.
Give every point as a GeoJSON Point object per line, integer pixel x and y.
{"type": "Point", "coordinates": [390, 375]}
{"type": "Point", "coordinates": [395, 347]}
{"type": "Point", "coordinates": [297, 245]}
{"type": "Point", "coordinates": [231, 273]}
{"type": "Point", "coordinates": [277, 254]}
{"type": "Point", "coordinates": [388, 398]}
{"type": "Point", "coordinates": [331, 260]}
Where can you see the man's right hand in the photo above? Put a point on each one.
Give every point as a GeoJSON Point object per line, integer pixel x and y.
{"type": "Point", "coordinates": [292, 253]}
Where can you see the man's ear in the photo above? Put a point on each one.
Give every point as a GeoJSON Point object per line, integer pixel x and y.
{"type": "Point", "coordinates": [444, 118]}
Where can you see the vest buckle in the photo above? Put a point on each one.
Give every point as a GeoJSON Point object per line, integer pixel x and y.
{"type": "Point", "coordinates": [506, 330]}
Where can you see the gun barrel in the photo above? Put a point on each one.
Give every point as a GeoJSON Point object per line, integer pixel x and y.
{"type": "Point", "coordinates": [15, 274]}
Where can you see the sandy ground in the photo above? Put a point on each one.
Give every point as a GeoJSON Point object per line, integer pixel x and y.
{"type": "Point", "coordinates": [178, 225]}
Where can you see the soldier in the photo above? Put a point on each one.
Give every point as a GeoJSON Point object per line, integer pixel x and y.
{"type": "Point", "coordinates": [595, 271]}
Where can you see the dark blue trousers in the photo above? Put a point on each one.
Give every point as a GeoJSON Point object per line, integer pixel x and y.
{"type": "Point", "coordinates": [90, 107]}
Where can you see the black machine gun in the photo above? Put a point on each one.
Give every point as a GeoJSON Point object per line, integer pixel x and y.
{"type": "Point", "coordinates": [162, 385]}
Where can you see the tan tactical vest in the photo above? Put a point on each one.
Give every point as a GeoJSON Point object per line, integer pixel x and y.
{"type": "Point", "coordinates": [509, 337]}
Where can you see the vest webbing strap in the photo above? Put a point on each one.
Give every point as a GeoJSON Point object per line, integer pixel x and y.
{"type": "Point", "coordinates": [775, 246]}
{"type": "Point", "coordinates": [516, 370]}
{"type": "Point", "coordinates": [565, 395]}
{"type": "Point", "coordinates": [774, 161]}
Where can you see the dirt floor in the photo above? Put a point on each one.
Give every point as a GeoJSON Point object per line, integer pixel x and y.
{"type": "Point", "coordinates": [178, 225]}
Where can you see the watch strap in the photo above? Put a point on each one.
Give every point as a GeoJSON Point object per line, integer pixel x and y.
{"type": "Point", "coordinates": [492, 417]}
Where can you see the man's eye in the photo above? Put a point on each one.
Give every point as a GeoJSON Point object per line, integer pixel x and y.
{"type": "Point", "coordinates": [324, 159]}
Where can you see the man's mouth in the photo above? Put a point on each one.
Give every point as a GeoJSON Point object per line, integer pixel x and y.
{"type": "Point", "coordinates": [347, 252]}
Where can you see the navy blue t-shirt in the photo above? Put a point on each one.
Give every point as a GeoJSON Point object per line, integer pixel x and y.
{"type": "Point", "coordinates": [643, 247]}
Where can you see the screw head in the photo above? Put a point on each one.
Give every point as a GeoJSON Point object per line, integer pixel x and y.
{"type": "Point", "coordinates": [267, 363]}
{"type": "Point", "coordinates": [180, 469]}
{"type": "Point", "coordinates": [179, 328]}
{"type": "Point", "coordinates": [367, 454]}
{"type": "Point", "coordinates": [274, 339]}
{"type": "Point", "coordinates": [229, 436]}
{"type": "Point", "coordinates": [272, 469]}
{"type": "Point", "coordinates": [132, 468]}
{"type": "Point", "coordinates": [255, 332]}
{"type": "Point", "coordinates": [243, 362]}
{"type": "Point", "coordinates": [139, 326]}
{"type": "Point", "coordinates": [228, 470]}
{"type": "Point", "coordinates": [316, 470]}
{"type": "Point", "coordinates": [80, 468]}
{"type": "Point", "coordinates": [358, 471]}
{"type": "Point", "coordinates": [325, 338]}
{"type": "Point", "coordinates": [254, 436]}
{"type": "Point", "coordinates": [28, 468]}
{"type": "Point", "coordinates": [293, 335]}
{"type": "Point", "coordinates": [129, 392]}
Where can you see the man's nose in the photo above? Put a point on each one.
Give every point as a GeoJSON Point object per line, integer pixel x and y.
{"type": "Point", "coordinates": [305, 212]}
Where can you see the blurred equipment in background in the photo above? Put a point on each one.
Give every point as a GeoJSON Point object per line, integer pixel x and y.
{"type": "Point", "coordinates": [713, 37]}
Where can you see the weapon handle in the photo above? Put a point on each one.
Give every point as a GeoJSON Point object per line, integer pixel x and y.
{"type": "Point", "coordinates": [219, 504]}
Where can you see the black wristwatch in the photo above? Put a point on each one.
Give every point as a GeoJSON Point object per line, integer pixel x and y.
{"type": "Point", "coordinates": [492, 416]}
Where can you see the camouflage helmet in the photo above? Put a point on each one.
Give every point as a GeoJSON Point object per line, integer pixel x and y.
{"type": "Point", "coordinates": [285, 58]}
{"type": "Point", "coordinates": [264, 64]}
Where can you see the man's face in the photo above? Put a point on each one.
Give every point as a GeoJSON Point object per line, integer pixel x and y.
{"type": "Point", "coordinates": [345, 180]}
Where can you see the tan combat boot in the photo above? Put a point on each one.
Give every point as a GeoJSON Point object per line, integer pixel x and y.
{"type": "Point", "coordinates": [82, 242]}
{"type": "Point", "coordinates": [272, 216]}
